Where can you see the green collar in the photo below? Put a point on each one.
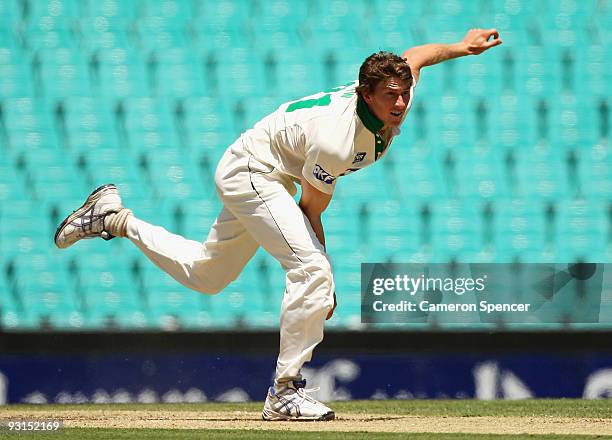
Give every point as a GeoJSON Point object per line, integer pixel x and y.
{"type": "Point", "coordinates": [368, 118]}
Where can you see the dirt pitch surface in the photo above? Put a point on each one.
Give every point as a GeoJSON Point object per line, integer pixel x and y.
{"type": "Point", "coordinates": [345, 422]}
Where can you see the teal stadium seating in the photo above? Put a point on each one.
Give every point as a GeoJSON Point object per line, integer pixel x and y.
{"type": "Point", "coordinates": [503, 158]}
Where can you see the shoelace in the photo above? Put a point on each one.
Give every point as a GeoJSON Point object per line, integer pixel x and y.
{"type": "Point", "coordinates": [302, 393]}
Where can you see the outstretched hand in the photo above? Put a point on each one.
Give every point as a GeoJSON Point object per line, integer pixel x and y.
{"type": "Point", "coordinates": [478, 40]}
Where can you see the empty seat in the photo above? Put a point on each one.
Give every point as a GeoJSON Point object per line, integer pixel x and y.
{"type": "Point", "coordinates": [503, 157]}
{"type": "Point", "coordinates": [15, 75]}
{"type": "Point", "coordinates": [122, 73]}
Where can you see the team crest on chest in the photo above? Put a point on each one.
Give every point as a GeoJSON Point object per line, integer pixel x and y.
{"type": "Point", "coordinates": [359, 157]}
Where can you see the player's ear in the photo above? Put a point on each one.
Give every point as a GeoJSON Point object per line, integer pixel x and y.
{"type": "Point", "coordinates": [367, 96]}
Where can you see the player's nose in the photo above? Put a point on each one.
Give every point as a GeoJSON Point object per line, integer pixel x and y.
{"type": "Point", "coordinates": [400, 104]}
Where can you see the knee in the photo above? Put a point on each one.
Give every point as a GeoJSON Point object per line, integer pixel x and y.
{"type": "Point", "coordinates": [322, 267]}
{"type": "Point", "coordinates": [320, 289]}
{"type": "Point", "coordinates": [317, 273]}
{"type": "Point", "coordinates": [327, 276]}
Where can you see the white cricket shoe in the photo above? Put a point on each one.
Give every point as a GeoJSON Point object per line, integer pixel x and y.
{"type": "Point", "coordinates": [88, 220]}
{"type": "Point", "coordinates": [291, 402]}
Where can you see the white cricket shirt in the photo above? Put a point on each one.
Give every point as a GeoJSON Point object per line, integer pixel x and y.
{"type": "Point", "coordinates": [321, 137]}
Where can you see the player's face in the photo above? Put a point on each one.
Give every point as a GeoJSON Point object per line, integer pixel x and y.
{"type": "Point", "coordinates": [389, 101]}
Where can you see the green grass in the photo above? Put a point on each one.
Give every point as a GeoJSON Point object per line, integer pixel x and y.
{"type": "Point", "coordinates": [463, 408]}
{"type": "Point", "coordinates": [572, 408]}
{"type": "Point", "coordinates": [169, 434]}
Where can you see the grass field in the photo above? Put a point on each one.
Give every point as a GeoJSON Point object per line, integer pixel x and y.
{"type": "Point", "coordinates": [417, 419]}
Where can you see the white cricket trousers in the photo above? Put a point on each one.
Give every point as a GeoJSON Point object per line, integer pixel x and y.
{"type": "Point", "coordinates": [259, 210]}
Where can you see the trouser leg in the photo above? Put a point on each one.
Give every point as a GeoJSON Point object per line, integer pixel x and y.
{"type": "Point", "coordinates": [206, 267]}
{"type": "Point", "coordinates": [271, 215]}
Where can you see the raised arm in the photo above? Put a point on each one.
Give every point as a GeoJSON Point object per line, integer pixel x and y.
{"type": "Point", "coordinates": [475, 42]}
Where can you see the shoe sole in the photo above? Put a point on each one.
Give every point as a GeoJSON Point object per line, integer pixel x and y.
{"type": "Point", "coordinates": [276, 417]}
{"type": "Point", "coordinates": [92, 198]}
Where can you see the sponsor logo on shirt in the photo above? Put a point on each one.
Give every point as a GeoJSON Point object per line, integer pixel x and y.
{"type": "Point", "coordinates": [359, 157]}
{"type": "Point", "coordinates": [323, 175]}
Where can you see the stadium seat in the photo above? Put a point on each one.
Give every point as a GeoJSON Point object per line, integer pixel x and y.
{"type": "Point", "coordinates": [122, 73]}
{"type": "Point", "coordinates": [503, 158]}
{"type": "Point", "coordinates": [15, 75]}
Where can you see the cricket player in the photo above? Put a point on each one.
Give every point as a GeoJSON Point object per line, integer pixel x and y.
{"type": "Point", "coordinates": [311, 142]}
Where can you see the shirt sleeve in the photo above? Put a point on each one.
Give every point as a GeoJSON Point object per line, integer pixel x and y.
{"type": "Point", "coordinates": [321, 170]}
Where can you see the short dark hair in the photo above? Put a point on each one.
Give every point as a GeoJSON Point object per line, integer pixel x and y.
{"type": "Point", "coordinates": [380, 66]}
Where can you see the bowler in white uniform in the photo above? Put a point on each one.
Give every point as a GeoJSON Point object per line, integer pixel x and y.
{"type": "Point", "coordinates": [313, 142]}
